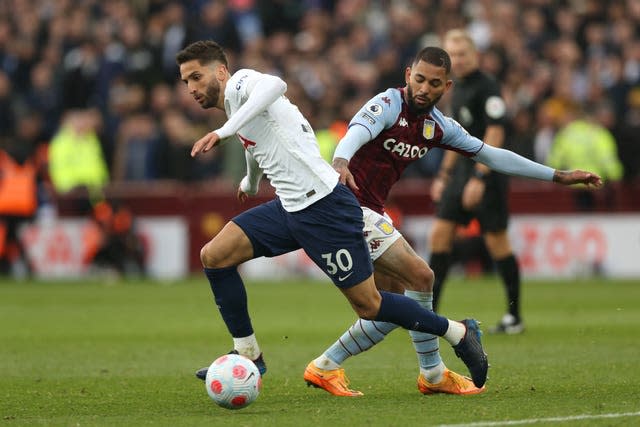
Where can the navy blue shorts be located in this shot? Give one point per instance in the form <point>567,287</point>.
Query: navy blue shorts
<point>329,231</point>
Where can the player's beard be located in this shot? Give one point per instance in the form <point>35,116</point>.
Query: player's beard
<point>420,109</point>
<point>212,94</point>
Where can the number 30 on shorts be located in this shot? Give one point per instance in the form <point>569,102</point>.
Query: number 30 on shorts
<point>340,261</point>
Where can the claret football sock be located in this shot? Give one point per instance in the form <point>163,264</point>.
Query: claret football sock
<point>426,345</point>
<point>231,298</point>
<point>361,336</point>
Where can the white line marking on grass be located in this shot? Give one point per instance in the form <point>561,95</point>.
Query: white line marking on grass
<point>543,420</point>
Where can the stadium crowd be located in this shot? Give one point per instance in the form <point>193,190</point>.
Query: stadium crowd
<point>102,74</point>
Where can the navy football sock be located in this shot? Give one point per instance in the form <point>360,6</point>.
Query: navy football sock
<point>407,313</point>
<point>231,298</point>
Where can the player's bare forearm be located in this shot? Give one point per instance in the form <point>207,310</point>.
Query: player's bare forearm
<point>577,177</point>
<point>342,167</point>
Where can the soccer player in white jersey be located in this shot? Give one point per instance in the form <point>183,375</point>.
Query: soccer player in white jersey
<point>312,209</point>
<point>392,130</point>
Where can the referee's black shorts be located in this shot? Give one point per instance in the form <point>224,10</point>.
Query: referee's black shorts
<point>492,212</point>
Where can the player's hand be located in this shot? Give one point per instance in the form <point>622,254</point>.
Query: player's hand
<point>342,167</point>
<point>577,176</point>
<point>241,195</point>
<point>205,143</point>
<point>472,193</point>
<point>437,188</point>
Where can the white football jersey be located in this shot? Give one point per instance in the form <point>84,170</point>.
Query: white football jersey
<point>283,144</point>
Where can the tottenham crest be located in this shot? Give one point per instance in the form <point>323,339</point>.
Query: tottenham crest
<point>429,129</point>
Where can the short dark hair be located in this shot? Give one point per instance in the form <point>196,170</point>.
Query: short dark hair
<point>205,51</point>
<point>434,56</point>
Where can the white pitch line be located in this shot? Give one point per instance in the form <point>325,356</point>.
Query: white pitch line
<point>543,420</point>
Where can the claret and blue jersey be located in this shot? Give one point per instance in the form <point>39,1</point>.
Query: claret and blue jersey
<point>398,138</point>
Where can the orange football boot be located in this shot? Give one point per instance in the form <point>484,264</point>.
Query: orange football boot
<point>334,381</point>
<point>451,383</point>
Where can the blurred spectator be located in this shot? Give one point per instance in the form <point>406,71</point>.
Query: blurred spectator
<point>217,23</point>
<point>584,143</point>
<point>177,162</point>
<point>76,160</point>
<point>21,173</point>
<point>136,153</point>
<point>117,246</point>
<point>627,132</point>
<point>6,105</point>
<point>43,96</point>
<point>118,57</point>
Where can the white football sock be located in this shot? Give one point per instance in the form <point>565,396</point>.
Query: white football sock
<point>247,346</point>
<point>455,332</point>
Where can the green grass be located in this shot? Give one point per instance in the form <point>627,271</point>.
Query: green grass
<point>123,354</point>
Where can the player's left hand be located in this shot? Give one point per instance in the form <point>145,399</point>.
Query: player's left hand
<point>472,193</point>
<point>577,176</point>
<point>241,195</point>
<point>205,143</point>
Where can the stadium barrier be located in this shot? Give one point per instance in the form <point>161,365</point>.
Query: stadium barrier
<point>175,219</point>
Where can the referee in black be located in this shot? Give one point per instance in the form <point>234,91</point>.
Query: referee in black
<point>464,189</point>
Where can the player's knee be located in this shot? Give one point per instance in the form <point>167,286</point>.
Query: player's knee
<point>441,238</point>
<point>422,278</point>
<point>368,309</point>
<point>207,257</point>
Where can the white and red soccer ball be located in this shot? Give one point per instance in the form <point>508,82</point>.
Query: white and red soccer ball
<point>233,381</point>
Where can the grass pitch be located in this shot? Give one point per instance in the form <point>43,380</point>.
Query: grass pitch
<point>123,354</point>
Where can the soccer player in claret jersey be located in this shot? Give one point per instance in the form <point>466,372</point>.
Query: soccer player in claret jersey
<point>393,129</point>
<point>312,210</point>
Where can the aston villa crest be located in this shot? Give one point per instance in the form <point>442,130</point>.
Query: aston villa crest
<point>429,129</point>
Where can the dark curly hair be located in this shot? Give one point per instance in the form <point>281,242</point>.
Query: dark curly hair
<point>434,56</point>
<point>205,51</point>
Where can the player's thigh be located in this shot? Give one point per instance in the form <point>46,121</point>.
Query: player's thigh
<point>379,232</point>
<point>385,282</point>
<point>404,267</point>
<point>330,231</point>
<point>229,247</point>
<point>498,244</point>
<point>266,227</point>
<point>442,234</point>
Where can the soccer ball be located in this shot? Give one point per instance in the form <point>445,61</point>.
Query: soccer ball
<point>233,381</point>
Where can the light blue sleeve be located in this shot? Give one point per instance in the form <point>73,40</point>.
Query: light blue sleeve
<point>378,114</point>
<point>498,159</point>
<point>510,163</point>
<point>455,137</point>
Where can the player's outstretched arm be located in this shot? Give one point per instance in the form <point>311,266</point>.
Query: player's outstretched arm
<point>577,177</point>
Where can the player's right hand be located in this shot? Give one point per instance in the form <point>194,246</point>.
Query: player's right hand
<point>437,187</point>
<point>342,167</point>
<point>205,144</point>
